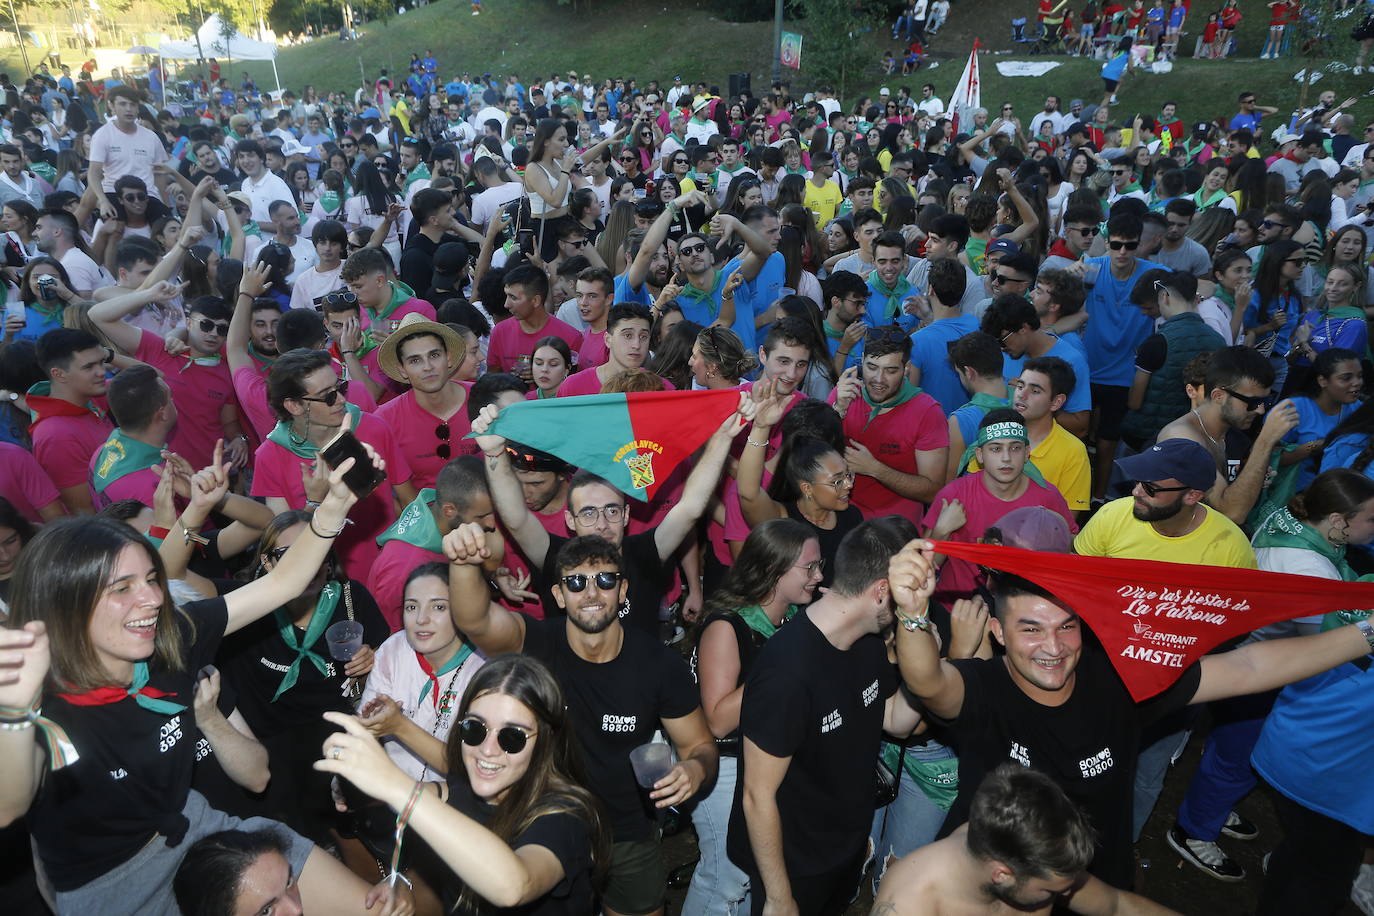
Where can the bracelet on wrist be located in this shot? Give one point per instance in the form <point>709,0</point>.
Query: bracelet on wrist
<point>750,441</point>
<point>912,624</point>
<point>346,352</point>
<point>330,535</point>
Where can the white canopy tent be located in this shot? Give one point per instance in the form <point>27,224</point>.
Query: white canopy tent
<point>210,41</point>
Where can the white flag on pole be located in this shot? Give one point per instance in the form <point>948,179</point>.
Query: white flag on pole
<point>968,94</point>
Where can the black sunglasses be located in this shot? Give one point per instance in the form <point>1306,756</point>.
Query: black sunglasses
<point>1252,402</point>
<point>577,582</point>
<point>219,327</point>
<point>1086,231</point>
<point>442,433</point>
<point>1152,489</point>
<point>134,198</point>
<point>331,397</point>
<point>511,738</point>
<point>1117,245</point>
<point>690,250</point>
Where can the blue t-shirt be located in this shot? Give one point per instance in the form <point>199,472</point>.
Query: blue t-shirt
<point>1113,68</point>
<point>759,293</point>
<point>1071,352</point>
<point>625,293</point>
<point>879,311</point>
<point>1291,305</point>
<point>1343,452</point>
<point>705,311</point>
<point>1327,332</point>
<point>970,417</point>
<point>1246,120</point>
<point>1313,424</point>
<point>36,324</point>
<point>1115,327</point>
<point>456,88</point>
<point>856,353</point>
<point>930,354</point>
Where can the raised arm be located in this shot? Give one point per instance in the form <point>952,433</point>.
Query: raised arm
<point>490,627</point>
<point>251,285</point>
<point>934,681</point>
<point>701,483</point>
<point>506,493</point>
<point>754,501</point>
<point>654,236</point>
<point>1273,663</point>
<point>108,315</point>
<point>1030,220</point>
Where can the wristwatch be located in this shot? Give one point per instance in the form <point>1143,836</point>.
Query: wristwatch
<point>1367,631</point>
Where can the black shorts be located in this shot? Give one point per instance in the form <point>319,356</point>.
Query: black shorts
<point>1110,403</point>
<point>1109,85</point>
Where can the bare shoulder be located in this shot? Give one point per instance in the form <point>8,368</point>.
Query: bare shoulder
<point>907,886</point>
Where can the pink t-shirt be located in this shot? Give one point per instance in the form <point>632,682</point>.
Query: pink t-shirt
<point>508,341</point>
<point>958,578</point>
<point>387,579</point>
<point>139,485</point>
<point>593,351</point>
<point>894,438</point>
<point>413,304</point>
<point>24,482</point>
<point>414,430</point>
<point>584,382</point>
<point>64,446</point>
<point>277,472</point>
<point>250,387</point>
<point>199,393</point>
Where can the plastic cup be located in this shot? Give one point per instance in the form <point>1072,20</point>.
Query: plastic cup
<point>651,762</point>
<point>1090,272</point>
<point>345,639</point>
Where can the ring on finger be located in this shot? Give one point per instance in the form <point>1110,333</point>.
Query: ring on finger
<point>336,753</point>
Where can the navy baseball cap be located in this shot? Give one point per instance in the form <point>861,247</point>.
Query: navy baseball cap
<point>1005,246</point>
<point>1180,459</point>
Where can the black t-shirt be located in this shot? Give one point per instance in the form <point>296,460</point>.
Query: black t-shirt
<point>823,708</point>
<point>846,521</point>
<point>224,177</point>
<point>647,573</point>
<point>564,834</point>
<point>615,707</point>
<point>1088,745</point>
<point>255,659</point>
<point>210,779</point>
<point>748,642</point>
<point>134,771</point>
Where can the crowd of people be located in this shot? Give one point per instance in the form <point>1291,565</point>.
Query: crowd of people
<point>239,675</point>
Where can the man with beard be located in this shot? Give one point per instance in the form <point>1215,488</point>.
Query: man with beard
<point>1237,387</point>
<point>646,251</point>
<point>1026,847</point>
<point>897,436</point>
<point>621,686</point>
<point>627,342</point>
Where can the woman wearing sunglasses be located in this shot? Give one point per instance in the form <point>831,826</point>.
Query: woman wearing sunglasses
<point>513,823</point>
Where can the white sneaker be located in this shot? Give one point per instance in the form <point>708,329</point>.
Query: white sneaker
<point>1362,892</point>
<point>1359,70</point>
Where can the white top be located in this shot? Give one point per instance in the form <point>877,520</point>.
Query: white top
<point>396,673</point>
<point>304,253</point>
<point>931,106</point>
<point>538,205</point>
<point>357,215</point>
<point>263,192</point>
<point>485,204</point>
<point>84,273</point>
<point>1217,316</point>
<point>1298,562</point>
<point>313,284</point>
<point>127,154</point>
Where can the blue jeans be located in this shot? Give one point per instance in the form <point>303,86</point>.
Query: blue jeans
<point>1153,765</point>
<point>719,887</point>
<point>912,820</point>
<point>1224,775</point>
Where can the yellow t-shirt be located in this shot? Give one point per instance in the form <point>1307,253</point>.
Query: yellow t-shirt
<point>823,202</point>
<point>1115,532</point>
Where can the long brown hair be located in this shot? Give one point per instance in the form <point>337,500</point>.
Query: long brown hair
<point>554,783</point>
<point>61,576</point>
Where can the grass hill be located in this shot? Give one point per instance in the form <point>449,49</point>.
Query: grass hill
<point>648,39</point>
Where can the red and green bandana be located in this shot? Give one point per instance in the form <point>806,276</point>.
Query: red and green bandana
<point>633,440</point>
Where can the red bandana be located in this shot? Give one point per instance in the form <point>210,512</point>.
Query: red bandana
<point>1156,619</point>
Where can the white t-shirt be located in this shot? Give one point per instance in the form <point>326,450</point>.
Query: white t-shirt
<point>304,253</point>
<point>263,192</point>
<point>931,106</point>
<point>84,273</point>
<point>357,215</point>
<point>485,204</point>
<point>396,673</point>
<point>313,284</point>
<point>127,154</point>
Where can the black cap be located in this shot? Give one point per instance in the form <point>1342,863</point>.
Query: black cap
<point>450,259</point>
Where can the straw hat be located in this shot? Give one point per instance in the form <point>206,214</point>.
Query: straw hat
<point>388,354</point>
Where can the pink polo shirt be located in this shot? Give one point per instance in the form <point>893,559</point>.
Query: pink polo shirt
<point>387,579</point>
<point>24,482</point>
<point>414,430</point>
<point>64,446</point>
<point>277,472</point>
<point>509,340</point>
<point>894,438</point>
<point>593,351</point>
<point>199,393</point>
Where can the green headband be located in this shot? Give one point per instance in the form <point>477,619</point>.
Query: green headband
<point>1006,430</point>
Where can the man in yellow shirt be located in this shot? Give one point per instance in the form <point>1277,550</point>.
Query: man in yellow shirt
<point>823,195</point>
<point>1042,388</point>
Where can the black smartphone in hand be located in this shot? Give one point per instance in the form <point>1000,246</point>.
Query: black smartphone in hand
<point>363,477</point>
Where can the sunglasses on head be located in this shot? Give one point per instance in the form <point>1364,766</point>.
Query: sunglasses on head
<point>1152,489</point>
<point>577,582</point>
<point>346,296</point>
<point>511,738</point>
<point>219,327</point>
<point>330,397</point>
<point>1117,245</point>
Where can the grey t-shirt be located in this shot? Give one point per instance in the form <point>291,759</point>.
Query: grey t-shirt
<point>1190,256</point>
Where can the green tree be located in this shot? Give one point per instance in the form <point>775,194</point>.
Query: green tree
<point>1322,41</point>
<point>834,51</point>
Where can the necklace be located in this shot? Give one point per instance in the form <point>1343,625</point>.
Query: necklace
<point>1203,426</point>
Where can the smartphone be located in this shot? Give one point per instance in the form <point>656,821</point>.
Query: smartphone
<point>640,193</point>
<point>363,477</point>
<point>525,238</point>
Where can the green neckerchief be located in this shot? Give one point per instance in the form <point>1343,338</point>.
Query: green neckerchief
<point>1133,186</point>
<point>330,202</point>
<point>1192,152</point>
<point>319,622</point>
<point>153,704</point>
<point>1227,299</point>
<point>121,456</point>
<point>831,332</point>
<point>400,294</point>
<point>695,296</point>
<point>213,359</point>
<point>894,295</point>
<point>985,401</point>
<point>1344,312</point>
<point>1282,529</point>
<point>1006,430</point>
<point>43,171</point>
<point>283,436</point>
<point>416,525</point>
<point>250,229</point>
<point>539,394</point>
<point>758,621</point>
<point>420,171</point>
<point>49,312</point>
<point>1197,199</point>
<point>907,392</point>
<point>452,664</point>
<point>938,780</point>
<point>260,358</point>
